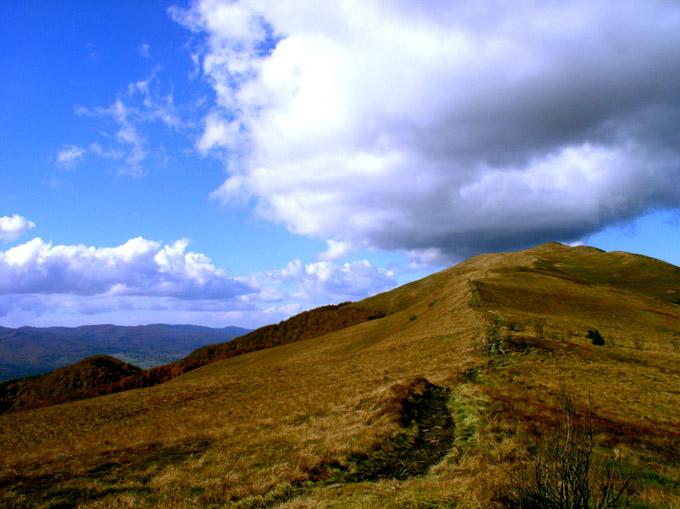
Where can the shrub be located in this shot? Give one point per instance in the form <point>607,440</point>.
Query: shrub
<point>596,337</point>
<point>565,475</point>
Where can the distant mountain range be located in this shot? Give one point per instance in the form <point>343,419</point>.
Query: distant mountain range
<point>33,350</point>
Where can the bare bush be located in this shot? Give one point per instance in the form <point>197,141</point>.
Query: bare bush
<point>565,472</point>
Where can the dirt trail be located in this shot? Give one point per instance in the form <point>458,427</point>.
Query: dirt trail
<point>426,437</point>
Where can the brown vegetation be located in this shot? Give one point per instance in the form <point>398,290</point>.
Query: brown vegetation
<point>79,381</point>
<point>84,379</point>
<point>312,423</point>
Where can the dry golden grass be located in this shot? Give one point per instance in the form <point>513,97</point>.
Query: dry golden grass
<point>277,428</point>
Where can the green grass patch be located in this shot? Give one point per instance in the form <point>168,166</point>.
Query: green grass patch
<point>468,407</point>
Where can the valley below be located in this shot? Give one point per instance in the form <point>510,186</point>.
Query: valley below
<point>28,351</point>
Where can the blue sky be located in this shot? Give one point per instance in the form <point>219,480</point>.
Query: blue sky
<point>238,162</point>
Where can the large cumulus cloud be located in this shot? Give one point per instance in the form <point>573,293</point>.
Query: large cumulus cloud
<point>444,129</point>
<point>324,281</point>
<point>138,267</point>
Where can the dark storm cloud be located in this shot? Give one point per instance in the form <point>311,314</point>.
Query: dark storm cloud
<point>445,129</point>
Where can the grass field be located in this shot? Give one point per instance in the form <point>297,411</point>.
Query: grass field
<point>443,402</point>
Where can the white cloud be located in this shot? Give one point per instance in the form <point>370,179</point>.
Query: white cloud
<point>129,143</point>
<point>17,310</point>
<point>445,127</point>
<point>142,278</point>
<point>98,150</point>
<point>142,104</point>
<point>422,259</point>
<point>69,155</point>
<point>336,249</point>
<point>217,133</point>
<point>324,281</point>
<point>139,267</point>
<point>144,50</point>
<point>14,227</point>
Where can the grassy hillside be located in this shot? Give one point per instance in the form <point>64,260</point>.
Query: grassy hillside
<point>309,324</point>
<point>55,388</point>
<point>452,399</point>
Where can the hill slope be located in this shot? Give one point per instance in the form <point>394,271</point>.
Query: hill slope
<point>446,401</point>
<point>33,392</point>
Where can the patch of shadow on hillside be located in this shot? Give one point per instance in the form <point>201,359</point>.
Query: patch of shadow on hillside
<point>426,436</point>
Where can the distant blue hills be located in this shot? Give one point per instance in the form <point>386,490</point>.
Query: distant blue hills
<point>34,350</point>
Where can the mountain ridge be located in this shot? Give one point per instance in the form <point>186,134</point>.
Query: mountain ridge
<point>484,352</point>
<point>27,351</point>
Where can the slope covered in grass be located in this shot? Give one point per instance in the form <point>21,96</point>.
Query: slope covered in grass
<point>325,422</point>
<point>55,388</point>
